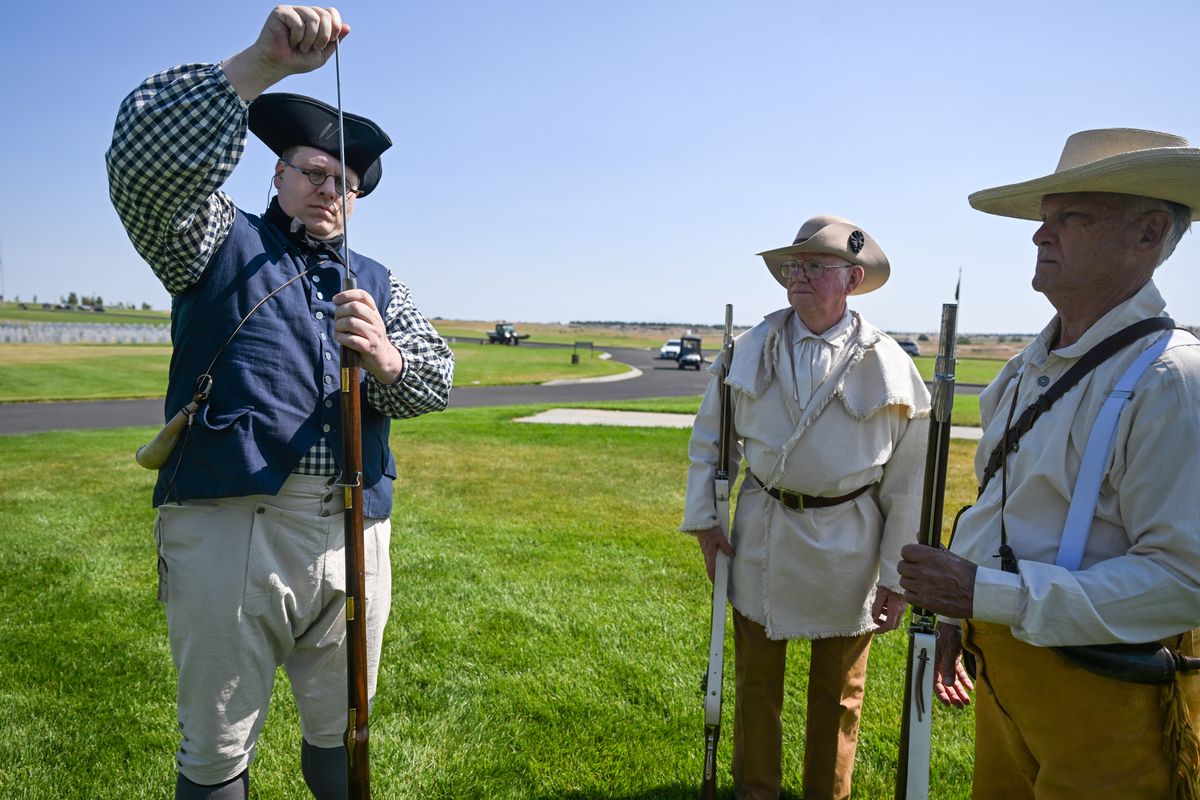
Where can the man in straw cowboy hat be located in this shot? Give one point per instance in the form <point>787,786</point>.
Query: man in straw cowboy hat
<point>250,526</point>
<point>1087,530</point>
<point>831,417</point>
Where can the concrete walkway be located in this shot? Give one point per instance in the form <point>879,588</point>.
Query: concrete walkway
<point>646,419</point>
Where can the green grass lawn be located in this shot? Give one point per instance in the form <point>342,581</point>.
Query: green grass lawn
<point>547,639</point>
<point>967,370</point>
<point>12,312</point>
<point>41,372</point>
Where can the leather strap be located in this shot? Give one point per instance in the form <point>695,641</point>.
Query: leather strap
<point>800,502</point>
<point>1088,362</point>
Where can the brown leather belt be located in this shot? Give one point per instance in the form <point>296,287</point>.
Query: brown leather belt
<point>799,502</point>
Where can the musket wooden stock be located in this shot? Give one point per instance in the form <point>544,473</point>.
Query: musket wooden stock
<point>357,731</point>
<point>912,776</point>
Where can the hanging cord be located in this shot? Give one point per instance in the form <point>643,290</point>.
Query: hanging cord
<point>1008,560</point>
<point>204,383</point>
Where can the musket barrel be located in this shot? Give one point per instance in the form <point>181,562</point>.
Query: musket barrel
<point>714,677</point>
<point>912,774</point>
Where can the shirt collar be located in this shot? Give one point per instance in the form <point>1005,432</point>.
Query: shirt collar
<point>835,336</point>
<point>1148,302</point>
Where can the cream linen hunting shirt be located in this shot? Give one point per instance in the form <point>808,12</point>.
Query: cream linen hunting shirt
<point>1140,576</point>
<point>852,413</point>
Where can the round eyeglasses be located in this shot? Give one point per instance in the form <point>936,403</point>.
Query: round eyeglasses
<point>318,176</point>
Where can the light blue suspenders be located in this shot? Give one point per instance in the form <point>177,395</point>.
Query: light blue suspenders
<point>1099,445</point>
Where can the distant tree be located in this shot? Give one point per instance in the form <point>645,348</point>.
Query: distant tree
<point>72,299</point>
<point>963,340</point>
<point>923,338</point>
<point>145,306</point>
<point>99,300</point>
<point>35,298</point>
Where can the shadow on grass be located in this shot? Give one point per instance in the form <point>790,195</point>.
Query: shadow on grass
<point>675,791</point>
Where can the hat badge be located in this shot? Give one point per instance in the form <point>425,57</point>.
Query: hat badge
<point>856,242</point>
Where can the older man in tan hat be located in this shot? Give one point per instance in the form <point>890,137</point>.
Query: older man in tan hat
<point>1086,532</point>
<point>831,417</point>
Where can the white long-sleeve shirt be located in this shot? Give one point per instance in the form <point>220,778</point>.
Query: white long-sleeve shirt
<point>1140,575</point>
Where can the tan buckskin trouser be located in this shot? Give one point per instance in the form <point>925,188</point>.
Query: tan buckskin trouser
<point>252,583</point>
<point>837,677</point>
<point>1051,730</point>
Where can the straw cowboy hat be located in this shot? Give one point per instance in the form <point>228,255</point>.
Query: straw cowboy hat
<point>839,237</point>
<point>1118,160</point>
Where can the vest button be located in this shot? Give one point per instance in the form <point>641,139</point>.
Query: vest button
<point>1044,381</point>
<point>329,380</point>
<point>320,315</point>
<point>325,428</point>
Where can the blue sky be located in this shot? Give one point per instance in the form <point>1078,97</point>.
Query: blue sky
<point>625,160</point>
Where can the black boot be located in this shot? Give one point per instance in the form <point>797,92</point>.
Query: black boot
<point>324,770</point>
<point>233,789</point>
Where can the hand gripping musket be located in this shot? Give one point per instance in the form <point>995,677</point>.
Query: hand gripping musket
<point>912,779</point>
<point>716,642</point>
<point>358,765</point>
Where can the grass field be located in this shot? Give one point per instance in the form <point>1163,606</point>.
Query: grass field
<point>12,312</point>
<point>41,372</point>
<point>547,636</point>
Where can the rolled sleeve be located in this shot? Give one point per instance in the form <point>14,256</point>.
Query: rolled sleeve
<point>177,138</point>
<point>428,372</point>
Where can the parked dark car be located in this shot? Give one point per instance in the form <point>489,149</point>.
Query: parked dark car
<point>909,346</point>
<point>690,354</point>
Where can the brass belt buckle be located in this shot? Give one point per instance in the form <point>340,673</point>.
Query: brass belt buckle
<point>792,501</point>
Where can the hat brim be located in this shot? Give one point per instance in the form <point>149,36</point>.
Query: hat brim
<point>1168,173</point>
<point>283,121</point>
<point>876,269</point>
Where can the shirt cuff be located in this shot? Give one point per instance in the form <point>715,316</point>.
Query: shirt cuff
<point>998,596</point>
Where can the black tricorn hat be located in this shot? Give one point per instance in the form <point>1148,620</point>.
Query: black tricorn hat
<point>285,120</point>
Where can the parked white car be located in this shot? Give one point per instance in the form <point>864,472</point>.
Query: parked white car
<point>670,349</point>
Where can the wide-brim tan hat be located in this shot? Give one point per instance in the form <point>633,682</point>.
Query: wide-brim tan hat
<point>839,237</point>
<point>1117,160</point>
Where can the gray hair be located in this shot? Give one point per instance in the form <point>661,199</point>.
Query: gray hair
<point>1181,221</point>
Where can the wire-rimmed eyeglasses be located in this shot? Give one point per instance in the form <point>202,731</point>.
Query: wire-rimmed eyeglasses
<point>318,176</point>
<point>810,271</point>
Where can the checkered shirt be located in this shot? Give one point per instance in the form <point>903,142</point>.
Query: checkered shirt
<point>177,138</point>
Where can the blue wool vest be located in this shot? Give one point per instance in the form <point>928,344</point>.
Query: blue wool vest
<point>277,387</point>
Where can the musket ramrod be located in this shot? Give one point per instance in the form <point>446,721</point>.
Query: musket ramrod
<point>358,764</point>
<point>912,779</point>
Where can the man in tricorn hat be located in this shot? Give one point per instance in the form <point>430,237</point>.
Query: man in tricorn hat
<point>249,523</point>
<point>1086,531</point>
<point>831,417</point>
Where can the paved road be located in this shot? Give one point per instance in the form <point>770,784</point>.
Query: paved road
<point>659,378</point>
